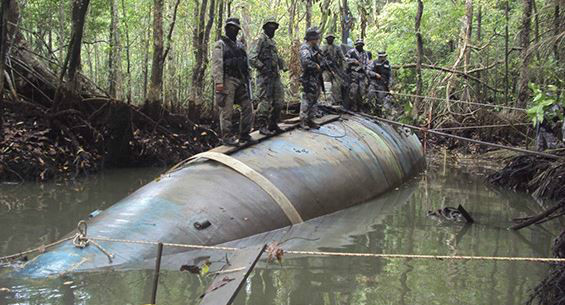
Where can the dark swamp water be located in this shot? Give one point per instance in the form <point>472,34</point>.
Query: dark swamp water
<point>33,214</point>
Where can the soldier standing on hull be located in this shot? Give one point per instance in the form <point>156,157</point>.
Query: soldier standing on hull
<point>336,60</point>
<point>230,71</point>
<point>311,77</point>
<point>379,73</point>
<point>357,60</point>
<point>265,58</point>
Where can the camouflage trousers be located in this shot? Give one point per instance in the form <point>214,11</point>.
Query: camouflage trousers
<point>545,139</point>
<point>336,97</point>
<point>309,100</point>
<point>356,94</point>
<point>235,92</point>
<point>270,94</point>
<point>376,97</point>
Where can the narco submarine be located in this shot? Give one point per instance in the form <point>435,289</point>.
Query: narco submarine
<point>227,194</point>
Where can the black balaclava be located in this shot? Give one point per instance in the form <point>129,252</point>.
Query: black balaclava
<point>269,30</point>
<point>232,31</point>
<point>330,40</point>
<point>359,47</point>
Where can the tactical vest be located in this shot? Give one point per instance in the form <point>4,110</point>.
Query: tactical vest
<point>235,59</point>
<point>383,69</point>
<point>362,57</point>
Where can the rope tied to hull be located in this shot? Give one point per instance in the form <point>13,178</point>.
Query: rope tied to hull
<point>81,241</point>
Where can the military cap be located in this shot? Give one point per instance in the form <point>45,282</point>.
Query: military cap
<point>312,33</point>
<point>359,41</point>
<point>382,54</point>
<point>233,21</point>
<point>272,20</point>
<point>330,34</point>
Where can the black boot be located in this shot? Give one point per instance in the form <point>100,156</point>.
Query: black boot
<point>262,126</point>
<point>313,124</point>
<point>246,140</point>
<point>230,141</point>
<point>275,116</point>
<point>304,124</point>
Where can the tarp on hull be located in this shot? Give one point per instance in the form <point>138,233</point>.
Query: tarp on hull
<point>342,164</point>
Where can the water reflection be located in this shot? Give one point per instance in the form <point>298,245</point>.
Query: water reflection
<point>395,223</point>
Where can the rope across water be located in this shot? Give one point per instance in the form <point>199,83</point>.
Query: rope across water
<point>311,253</point>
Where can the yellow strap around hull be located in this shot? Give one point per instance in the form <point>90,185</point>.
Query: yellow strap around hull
<point>240,167</point>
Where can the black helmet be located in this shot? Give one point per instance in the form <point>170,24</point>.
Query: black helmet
<point>233,21</point>
<point>270,20</point>
<point>312,34</point>
<point>359,42</point>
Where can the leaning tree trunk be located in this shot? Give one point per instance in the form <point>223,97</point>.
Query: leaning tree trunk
<point>523,91</point>
<point>114,60</point>
<point>156,83</point>
<point>71,66</point>
<point>419,56</point>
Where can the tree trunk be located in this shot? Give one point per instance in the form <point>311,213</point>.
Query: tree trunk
<point>556,30</point>
<point>3,53</point>
<point>146,60</point>
<point>200,47</point>
<point>308,13</point>
<point>220,21</point>
<point>128,56</point>
<point>536,29</point>
<point>506,51</point>
<point>467,43</point>
<point>479,40</point>
<point>156,84</point>
<point>346,21</point>
<point>419,56</point>
<point>326,15</point>
<point>80,7</point>
<point>364,16</point>
<point>115,59</point>
<point>72,63</point>
<point>523,91</point>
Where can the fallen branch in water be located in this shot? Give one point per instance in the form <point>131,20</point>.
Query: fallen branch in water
<point>540,217</point>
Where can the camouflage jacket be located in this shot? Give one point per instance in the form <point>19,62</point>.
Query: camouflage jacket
<point>334,54</point>
<point>353,56</point>
<point>265,58</point>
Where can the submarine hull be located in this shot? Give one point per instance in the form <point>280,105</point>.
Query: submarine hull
<point>344,163</point>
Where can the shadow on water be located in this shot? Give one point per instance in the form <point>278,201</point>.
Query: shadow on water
<point>395,223</point>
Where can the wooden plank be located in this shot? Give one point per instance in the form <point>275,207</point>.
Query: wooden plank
<point>287,125</point>
<point>229,281</point>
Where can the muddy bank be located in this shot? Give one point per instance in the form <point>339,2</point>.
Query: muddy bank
<point>90,136</point>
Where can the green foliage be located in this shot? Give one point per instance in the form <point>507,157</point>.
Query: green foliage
<point>542,102</point>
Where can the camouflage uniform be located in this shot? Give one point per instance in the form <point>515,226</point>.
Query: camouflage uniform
<point>311,78</point>
<point>230,68</point>
<point>334,55</point>
<point>356,68</point>
<point>265,58</point>
<point>379,73</point>
<point>545,137</point>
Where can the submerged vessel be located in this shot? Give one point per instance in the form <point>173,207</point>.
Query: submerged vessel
<point>229,194</point>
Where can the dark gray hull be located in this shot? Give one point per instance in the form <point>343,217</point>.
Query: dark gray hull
<point>344,163</point>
